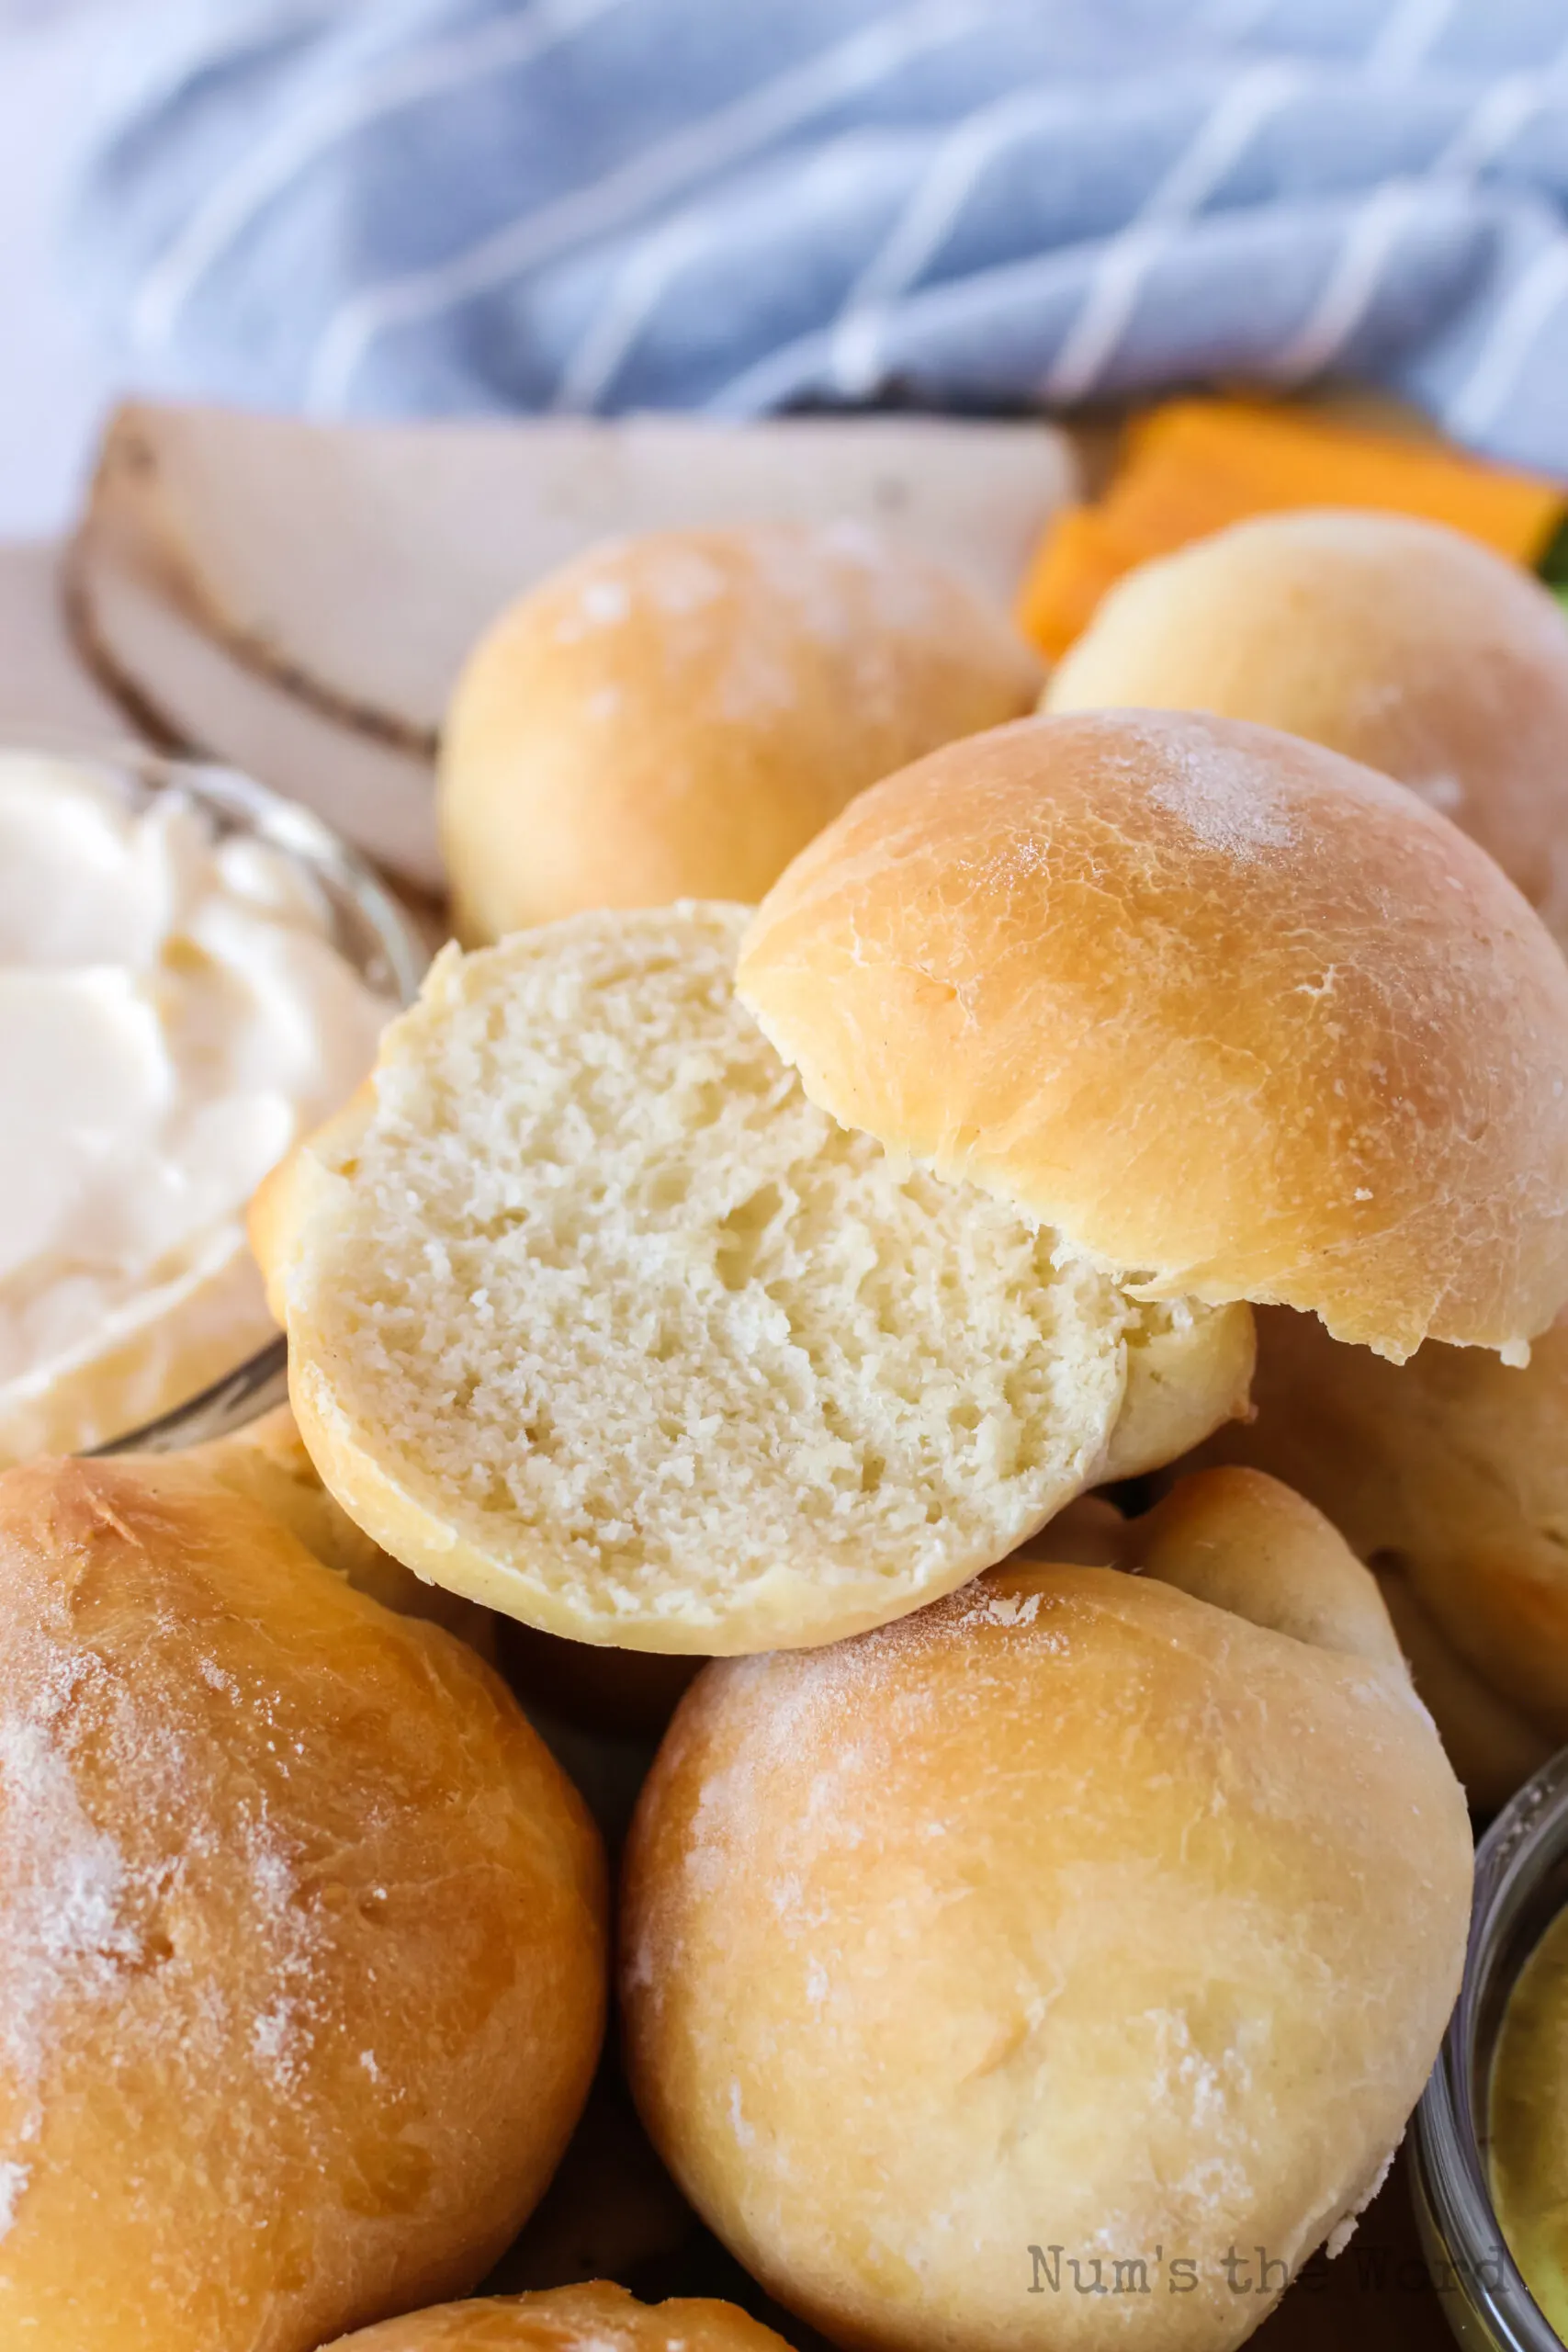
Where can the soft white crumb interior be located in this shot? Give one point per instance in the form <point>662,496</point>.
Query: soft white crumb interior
<point>633,1316</point>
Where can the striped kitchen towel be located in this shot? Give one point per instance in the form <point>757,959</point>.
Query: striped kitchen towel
<point>391,206</point>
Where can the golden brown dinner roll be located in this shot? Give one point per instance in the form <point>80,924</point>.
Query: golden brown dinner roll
<point>267,1460</point>
<point>1398,642</point>
<point>1242,1540</point>
<point>1233,1015</point>
<point>1450,1476</point>
<point>673,717</point>
<point>597,2318</point>
<point>990,1978</point>
<point>595,1317</point>
<point>301,1933</point>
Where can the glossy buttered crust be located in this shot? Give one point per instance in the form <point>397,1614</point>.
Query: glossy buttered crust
<point>268,1460</point>
<point>594,2318</point>
<point>301,1932</point>
<point>1392,639</point>
<point>1119,1914</point>
<point>1449,1474</point>
<point>1227,1009</point>
<point>674,715</point>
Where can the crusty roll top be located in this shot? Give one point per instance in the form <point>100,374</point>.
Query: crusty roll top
<point>1392,639</point>
<point>1232,1013</point>
<point>1239,1539</point>
<point>674,715</point>
<point>301,1932</point>
<point>1115,1913</point>
<point>593,2318</point>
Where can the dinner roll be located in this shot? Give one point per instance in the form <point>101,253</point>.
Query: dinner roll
<point>301,1932</point>
<point>597,2318</point>
<point>673,717</point>
<point>990,1978</point>
<point>593,1316</point>
<point>1399,642</point>
<point>1450,1476</point>
<point>266,1461</point>
<point>1236,1017</point>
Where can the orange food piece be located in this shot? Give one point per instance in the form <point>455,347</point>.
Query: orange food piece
<point>1322,462</point>
<point>1074,565</point>
<point>1193,466</point>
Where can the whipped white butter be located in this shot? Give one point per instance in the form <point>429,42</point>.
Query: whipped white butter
<point>173,1015</point>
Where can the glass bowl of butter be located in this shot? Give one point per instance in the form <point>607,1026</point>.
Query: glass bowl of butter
<point>1491,2171</point>
<point>193,974</point>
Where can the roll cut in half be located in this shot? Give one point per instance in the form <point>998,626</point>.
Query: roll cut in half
<point>596,2318</point>
<point>1449,1475</point>
<point>602,1314</point>
<point>301,1932</point>
<point>672,716</point>
<point>1238,1018</point>
<point>593,1316</point>
<point>991,1978</point>
<point>1396,641</point>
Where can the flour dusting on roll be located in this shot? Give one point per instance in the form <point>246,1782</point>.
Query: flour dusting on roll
<point>301,1932</point>
<point>1083,1927</point>
<point>672,716</point>
<point>1238,1018</point>
<point>1396,641</point>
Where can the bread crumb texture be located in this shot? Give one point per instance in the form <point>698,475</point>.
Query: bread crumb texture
<point>679,1362</point>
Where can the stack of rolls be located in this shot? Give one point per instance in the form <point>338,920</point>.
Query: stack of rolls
<point>1423,655</point>
<point>1027,1906</point>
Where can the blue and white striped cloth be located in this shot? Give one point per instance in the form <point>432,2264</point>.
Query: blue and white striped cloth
<point>394,207</point>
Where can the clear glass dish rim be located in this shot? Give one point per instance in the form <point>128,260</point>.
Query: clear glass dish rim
<point>1451,2182</point>
<point>240,803</point>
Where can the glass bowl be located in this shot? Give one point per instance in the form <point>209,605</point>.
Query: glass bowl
<point>1521,1882</point>
<point>374,934</point>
